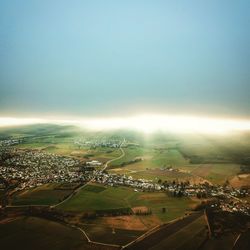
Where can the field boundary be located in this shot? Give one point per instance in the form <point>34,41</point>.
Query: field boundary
<point>153,230</point>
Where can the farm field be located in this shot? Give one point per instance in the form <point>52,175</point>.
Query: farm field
<point>150,158</point>
<point>88,199</point>
<point>35,233</point>
<point>121,229</point>
<point>189,237</point>
<point>156,175</point>
<point>214,173</point>
<point>93,197</point>
<point>157,238</point>
<point>47,194</point>
<point>240,180</point>
<point>109,235</point>
<point>215,159</point>
<point>101,154</point>
<point>67,148</point>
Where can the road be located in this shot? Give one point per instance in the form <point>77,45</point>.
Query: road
<point>118,158</point>
<point>104,168</point>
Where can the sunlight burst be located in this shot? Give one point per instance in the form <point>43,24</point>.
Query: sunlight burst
<point>146,123</point>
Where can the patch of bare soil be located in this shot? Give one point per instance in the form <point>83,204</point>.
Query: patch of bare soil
<point>141,209</point>
<point>124,222</point>
<point>240,180</point>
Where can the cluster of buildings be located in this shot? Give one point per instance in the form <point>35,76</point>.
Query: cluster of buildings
<point>34,168</point>
<point>93,163</point>
<point>36,159</point>
<point>104,142</point>
<point>10,142</point>
<point>228,196</point>
<point>233,206</point>
<point>184,188</point>
<point>31,168</point>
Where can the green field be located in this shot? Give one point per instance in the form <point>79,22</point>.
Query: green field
<point>123,197</point>
<point>155,174</point>
<point>150,158</point>
<point>175,207</point>
<point>90,200</point>
<point>215,173</point>
<point>131,153</point>
<point>47,194</point>
<point>35,233</point>
<point>102,154</point>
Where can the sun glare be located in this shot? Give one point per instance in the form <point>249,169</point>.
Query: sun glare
<point>178,124</point>
<point>146,123</point>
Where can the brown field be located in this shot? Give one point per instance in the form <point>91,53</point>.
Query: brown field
<point>124,222</point>
<point>240,180</point>
<point>202,170</point>
<point>159,237</point>
<point>141,209</point>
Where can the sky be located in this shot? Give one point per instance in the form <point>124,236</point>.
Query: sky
<point>114,58</point>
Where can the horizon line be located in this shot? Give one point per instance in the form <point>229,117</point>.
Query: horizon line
<point>147,123</point>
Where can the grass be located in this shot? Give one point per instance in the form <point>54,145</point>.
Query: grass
<point>87,200</point>
<point>56,146</point>
<point>35,233</point>
<point>130,154</point>
<point>102,154</point>
<point>157,174</point>
<point>168,157</point>
<point>44,195</point>
<point>123,197</point>
<point>94,188</point>
<point>151,158</point>
<point>175,207</point>
<point>216,173</point>
<point>65,146</point>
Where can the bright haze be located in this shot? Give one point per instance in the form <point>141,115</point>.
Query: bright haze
<point>116,59</point>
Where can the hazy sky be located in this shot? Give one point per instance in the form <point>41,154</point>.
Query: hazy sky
<point>120,57</point>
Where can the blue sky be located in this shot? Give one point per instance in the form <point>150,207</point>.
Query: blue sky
<point>119,57</point>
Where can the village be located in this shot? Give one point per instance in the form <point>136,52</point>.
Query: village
<point>32,168</point>
<point>10,142</point>
<point>97,142</point>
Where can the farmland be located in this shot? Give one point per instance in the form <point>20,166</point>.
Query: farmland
<point>189,237</point>
<point>96,199</point>
<point>214,159</point>
<point>88,199</point>
<point>47,194</point>
<point>149,185</point>
<point>43,234</point>
<point>150,158</point>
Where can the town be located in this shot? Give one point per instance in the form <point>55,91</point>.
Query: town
<point>32,168</point>
<point>97,142</point>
